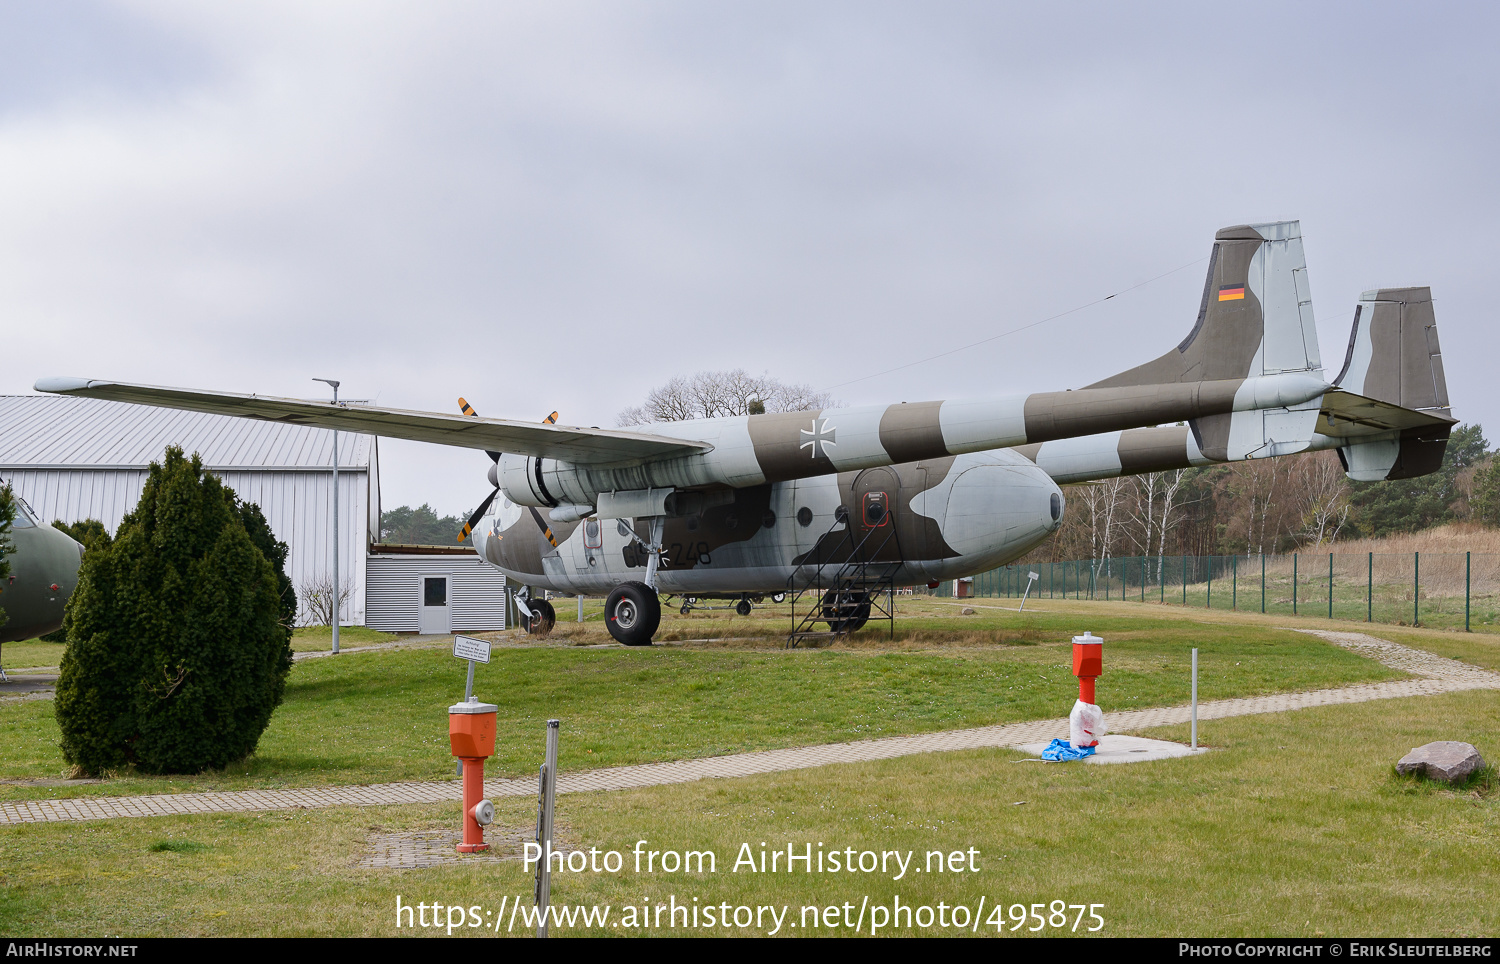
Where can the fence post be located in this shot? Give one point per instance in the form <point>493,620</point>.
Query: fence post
<point>1467,560</point>
<point>1416,588</point>
<point>1370,589</point>
<point>1184,579</point>
<point>1161,577</point>
<point>1294,584</point>
<point>1234,581</point>
<point>1262,583</point>
<point>1330,585</point>
<point>1143,578</point>
<point>1208,601</point>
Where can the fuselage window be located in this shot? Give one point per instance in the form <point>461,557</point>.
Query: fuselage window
<point>804,517</point>
<point>874,509</point>
<point>1056,507</point>
<point>591,535</point>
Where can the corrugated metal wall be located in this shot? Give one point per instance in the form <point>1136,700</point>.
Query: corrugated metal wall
<point>476,591</point>
<point>84,458</point>
<point>298,505</point>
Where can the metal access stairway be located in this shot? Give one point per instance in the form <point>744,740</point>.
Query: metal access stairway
<point>858,590</point>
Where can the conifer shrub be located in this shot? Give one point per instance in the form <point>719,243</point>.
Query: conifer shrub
<point>179,639</point>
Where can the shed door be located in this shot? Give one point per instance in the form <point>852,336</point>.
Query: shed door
<point>434,612</point>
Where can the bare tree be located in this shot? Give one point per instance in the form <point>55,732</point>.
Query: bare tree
<point>1325,497</point>
<point>719,394</point>
<point>315,597</point>
<point>1171,483</point>
<point>1103,500</point>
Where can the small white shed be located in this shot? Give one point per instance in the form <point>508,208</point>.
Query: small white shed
<point>432,589</point>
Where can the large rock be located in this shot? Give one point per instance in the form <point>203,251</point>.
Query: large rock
<point>1446,760</point>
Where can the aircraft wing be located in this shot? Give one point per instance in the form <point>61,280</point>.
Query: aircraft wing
<point>588,446</point>
<point>1347,415</point>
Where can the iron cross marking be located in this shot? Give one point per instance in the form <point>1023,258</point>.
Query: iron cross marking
<point>820,438</point>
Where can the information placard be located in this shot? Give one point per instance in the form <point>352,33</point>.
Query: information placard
<point>466,647</point>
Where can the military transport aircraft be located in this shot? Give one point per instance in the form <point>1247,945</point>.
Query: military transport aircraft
<point>913,493</point>
<point>43,571</point>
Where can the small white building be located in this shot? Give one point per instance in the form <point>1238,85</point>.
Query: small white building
<point>83,458</point>
<point>432,589</point>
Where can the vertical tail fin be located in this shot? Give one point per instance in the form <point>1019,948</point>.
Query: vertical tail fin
<point>1393,353</point>
<point>1256,316</point>
<point>1256,319</point>
<point>1393,358</point>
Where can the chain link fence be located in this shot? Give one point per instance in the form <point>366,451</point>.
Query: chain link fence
<point>1453,590</point>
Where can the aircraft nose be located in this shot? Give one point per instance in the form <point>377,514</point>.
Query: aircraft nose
<point>1000,507</point>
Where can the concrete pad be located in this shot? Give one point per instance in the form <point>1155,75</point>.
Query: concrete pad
<point>1126,749</point>
<point>19,685</point>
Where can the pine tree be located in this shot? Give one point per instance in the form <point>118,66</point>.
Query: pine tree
<point>178,650</point>
<point>7,516</point>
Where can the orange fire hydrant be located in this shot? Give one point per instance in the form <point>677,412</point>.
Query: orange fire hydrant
<point>471,733</point>
<point>1086,722</point>
<point>1088,663</point>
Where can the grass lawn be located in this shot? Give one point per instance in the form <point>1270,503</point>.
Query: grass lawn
<point>1294,826</point>
<point>31,654</point>
<point>380,716</point>
<point>320,638</point>
<point>36,653</point>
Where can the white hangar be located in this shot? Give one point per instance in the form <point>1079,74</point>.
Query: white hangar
<point>81,458</point>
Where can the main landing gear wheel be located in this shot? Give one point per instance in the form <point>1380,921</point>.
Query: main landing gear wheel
<point>543,617</point>
<point>633,612</point>
<point>845,611</point>
<point>743,608</point>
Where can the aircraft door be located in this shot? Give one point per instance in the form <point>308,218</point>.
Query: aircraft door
<point>874,513</point>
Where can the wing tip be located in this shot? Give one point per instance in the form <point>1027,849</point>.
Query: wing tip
<point>62,384</point>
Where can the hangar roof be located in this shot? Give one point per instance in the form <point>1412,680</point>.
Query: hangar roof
<point>58,431</point>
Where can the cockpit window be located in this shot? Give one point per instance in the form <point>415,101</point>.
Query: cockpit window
<point>25,518</point>
<point>1057,507</point>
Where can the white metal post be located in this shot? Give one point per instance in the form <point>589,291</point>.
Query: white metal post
<point>580,609</point>
<point>1195,699</point>
<point>544,827</point>
<point>338,601</point>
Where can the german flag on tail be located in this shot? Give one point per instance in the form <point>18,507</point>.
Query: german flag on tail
<point>1231,292</point>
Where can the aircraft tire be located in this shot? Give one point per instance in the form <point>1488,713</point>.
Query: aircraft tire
<point>743,608</point>
<point>845,612</point>
<point>543,618</point>
<point>633,613</point>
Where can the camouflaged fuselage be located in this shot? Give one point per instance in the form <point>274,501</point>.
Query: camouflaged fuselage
<point>944,517</point>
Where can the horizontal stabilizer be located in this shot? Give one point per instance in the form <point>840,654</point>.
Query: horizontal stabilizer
<point>1346,415</point>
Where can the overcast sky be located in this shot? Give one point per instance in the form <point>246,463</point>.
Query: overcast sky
<point>559,205</point>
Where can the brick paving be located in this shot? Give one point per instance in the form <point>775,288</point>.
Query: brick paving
<point>1437,675</point>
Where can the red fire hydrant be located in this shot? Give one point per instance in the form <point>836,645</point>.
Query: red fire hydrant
<point>471,733</point>
<point>1087,720</point>
<point>1088,663</point>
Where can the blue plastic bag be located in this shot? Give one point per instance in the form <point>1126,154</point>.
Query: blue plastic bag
<point>1059,751</point>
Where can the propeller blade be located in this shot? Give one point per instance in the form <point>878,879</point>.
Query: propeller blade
<point>546,529</point>
<point>478,514</point>
<point>467,409</point>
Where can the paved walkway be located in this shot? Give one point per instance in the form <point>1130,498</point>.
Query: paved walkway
<point>1439,675</point>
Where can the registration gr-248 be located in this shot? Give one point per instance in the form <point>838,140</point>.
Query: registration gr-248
<point>1058,915</point>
